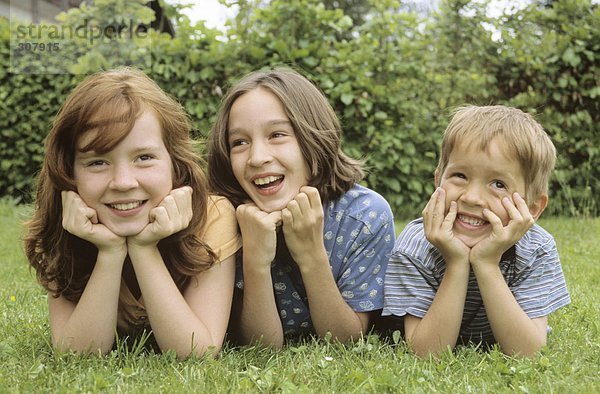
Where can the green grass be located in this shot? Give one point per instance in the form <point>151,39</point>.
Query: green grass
<point>568,364</point>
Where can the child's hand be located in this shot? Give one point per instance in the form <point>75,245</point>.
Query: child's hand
<point>82,221</point>
<point>490,249</point>
<point>259,234</point>
<point>438,228</point>
<point>303,225</point>
<point>172,215</point>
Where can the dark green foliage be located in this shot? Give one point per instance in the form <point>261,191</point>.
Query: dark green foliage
<point>393,78</point>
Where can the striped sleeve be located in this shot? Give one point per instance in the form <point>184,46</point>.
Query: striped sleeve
<point>410,284</point>
<point>542,289</point>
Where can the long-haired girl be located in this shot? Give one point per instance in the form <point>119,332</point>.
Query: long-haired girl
<point>125,236</point>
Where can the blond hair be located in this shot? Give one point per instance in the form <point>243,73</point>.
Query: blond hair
<point>523,137</point>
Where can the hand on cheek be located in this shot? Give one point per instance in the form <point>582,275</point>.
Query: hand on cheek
<point>438,227</point>
<point>303,225</point>
<point>502,237</point>
<point>172,215</point>
<point>259,234</point>
<point>82,221</point>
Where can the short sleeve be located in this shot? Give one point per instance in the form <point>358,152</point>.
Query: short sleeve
<point>542,289</point>
<point>362,245</point>
<point>412,276</point>
<point>221,232</point>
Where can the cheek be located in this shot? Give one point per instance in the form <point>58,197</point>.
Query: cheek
<point>236,167</point>
<point>164,179</point>
<point>89,191</point>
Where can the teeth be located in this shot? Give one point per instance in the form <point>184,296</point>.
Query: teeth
<point>471,220</point>
<point>266,180</point>
<point>127,206</point>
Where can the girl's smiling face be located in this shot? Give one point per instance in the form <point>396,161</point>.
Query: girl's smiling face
<point>265,155</point>
<point>478,179</point>
<point>125,183</point>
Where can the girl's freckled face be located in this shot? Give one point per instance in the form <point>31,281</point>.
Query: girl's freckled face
<point>124,184</point>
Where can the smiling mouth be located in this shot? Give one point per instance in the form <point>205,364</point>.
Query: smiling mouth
<point>471,220</point>
<point>268,181</point>
<point>127,206</point>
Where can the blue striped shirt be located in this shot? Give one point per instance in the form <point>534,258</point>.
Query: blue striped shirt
<point>531,269</point>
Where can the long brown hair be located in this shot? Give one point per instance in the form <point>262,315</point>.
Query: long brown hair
<point>316,127</point>
<point>110,102</point>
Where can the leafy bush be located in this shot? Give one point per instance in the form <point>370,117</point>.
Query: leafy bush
<point>392,79</point>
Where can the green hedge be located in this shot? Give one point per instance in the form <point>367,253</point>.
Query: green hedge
<point>393,80</point>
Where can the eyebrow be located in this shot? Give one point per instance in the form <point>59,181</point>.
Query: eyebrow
<point>274,122</point>
<point>147,148</point>
<point>494,173</point>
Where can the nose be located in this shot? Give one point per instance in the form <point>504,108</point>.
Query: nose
<point>123,178</point>
<point>473,195</point>
<point>260,154</point>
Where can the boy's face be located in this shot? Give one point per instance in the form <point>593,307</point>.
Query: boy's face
<point>478,179</point>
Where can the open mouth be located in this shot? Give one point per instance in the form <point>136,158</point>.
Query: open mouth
<point>268,181</point>
<point>127,206</point>
<point>472,220</point>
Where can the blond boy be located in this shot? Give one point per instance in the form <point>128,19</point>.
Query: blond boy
<point>476,268</point>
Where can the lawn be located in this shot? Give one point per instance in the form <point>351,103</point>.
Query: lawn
<point>569,363</point>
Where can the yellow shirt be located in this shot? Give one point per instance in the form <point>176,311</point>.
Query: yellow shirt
<point>220,233</point>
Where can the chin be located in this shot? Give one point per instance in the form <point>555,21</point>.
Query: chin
<point>272,206</point>
<point>470,241</point>
<point>269,208</point>
<point>126,231</point>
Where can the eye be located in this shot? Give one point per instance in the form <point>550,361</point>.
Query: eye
<point>95,163</point>
<point>459,175</point>
<point>145,157</point>
<point>237,142</point>
<point>499,185</point>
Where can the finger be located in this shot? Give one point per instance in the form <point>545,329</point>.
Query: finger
<point>428,210</point>
<point>314,198</point>
<point>437,216</point>
<point>430,203</point>
<point>493,219</point>
<point>92,215</point>
<point>521,205</point>
<point>170,206</point>
<point>183,197</point>
<point>287,218</point>
<point>303,202</point>
<point>294,208</point>
<point>448,222</point>
<point>276,217</point>
<point>159,218</point>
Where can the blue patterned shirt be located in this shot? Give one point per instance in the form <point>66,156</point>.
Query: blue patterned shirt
<point>358,236</point>
<point>531,269</point>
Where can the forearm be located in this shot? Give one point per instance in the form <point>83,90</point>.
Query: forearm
<point>516,333</point>
<point>174,324</point>
<point>329,312</point>
<point>89,326</point>
<point>440,327</point>
<point>260,319</point>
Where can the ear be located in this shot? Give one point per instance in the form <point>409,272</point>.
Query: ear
<point>538,205</point>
